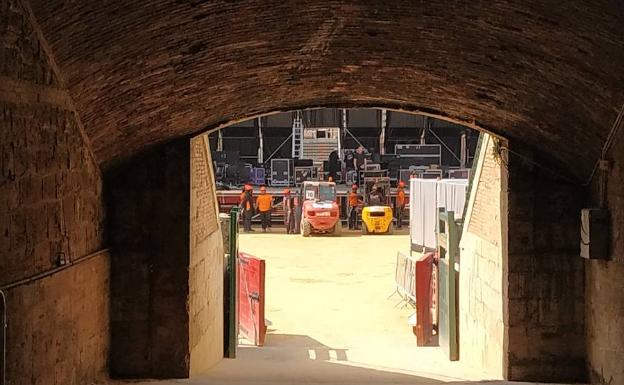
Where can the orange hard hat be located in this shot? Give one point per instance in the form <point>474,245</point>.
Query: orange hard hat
<point>248,187</point>
<point>286,191</point>
<point>354,186</point>
<point>401,184</point>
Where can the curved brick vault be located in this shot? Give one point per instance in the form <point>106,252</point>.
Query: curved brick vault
<point>548,73</point>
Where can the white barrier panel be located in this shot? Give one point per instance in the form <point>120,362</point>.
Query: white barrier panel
<point>452,195</point>
<point>423,212</point>
<point>405,277</point>
<point>426,196</point>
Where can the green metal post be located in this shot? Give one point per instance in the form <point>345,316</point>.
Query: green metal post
<point>233,285</point>
<point>448,251</point>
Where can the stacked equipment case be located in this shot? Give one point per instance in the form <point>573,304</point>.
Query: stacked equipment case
<point>282,172</point>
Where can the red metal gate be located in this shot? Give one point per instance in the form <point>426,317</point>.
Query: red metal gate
<point>251,298</point>
<point>425,300</point>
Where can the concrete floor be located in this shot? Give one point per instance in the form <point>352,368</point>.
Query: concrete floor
<point>331,320</point>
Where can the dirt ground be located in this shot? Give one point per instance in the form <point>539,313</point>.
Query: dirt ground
<point>333,319</point>
<point>333,316</point>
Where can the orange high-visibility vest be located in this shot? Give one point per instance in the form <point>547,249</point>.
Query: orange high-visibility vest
<point>264,202</point>
<point>353,199</point>
<point>400,199</point>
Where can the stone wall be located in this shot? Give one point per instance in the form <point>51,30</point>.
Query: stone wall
<point>50,187</point>
<point>481,320</point>
<point>167,263</point>
<point>50,208</point>
<point>521,281</point>
<point>59,327</point>
<point>605,282</point>
<point>147,200</point>
<point>545,288</point>
<point>206,264</point>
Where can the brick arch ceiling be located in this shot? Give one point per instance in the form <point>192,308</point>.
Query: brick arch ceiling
<point>546,72</point>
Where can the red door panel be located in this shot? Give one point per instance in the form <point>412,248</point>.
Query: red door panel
<point>251,298</point>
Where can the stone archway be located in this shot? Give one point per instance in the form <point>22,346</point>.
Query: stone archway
<point>175,68</point>
<point>129,82</point>
<point>151,237</point>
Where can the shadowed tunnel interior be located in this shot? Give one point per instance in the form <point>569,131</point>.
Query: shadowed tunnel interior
<point>100,100</point>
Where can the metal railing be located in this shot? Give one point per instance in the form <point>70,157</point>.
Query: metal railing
<point>38,276</point>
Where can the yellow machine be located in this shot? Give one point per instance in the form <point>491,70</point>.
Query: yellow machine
<point>377,213</point>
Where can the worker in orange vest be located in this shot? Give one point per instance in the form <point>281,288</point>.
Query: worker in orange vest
<point>247,207</point>
<point>264,205</point>
<point>354,203</point>
<point>295,223</point>
<point>242,194</point>
<point>400,204</point>
<point>287,207</point>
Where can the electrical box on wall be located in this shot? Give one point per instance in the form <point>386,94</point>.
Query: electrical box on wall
<point>595,233</point>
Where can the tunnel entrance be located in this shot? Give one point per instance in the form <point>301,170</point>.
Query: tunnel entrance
<point>332,301</point>
<point>167,258</point>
